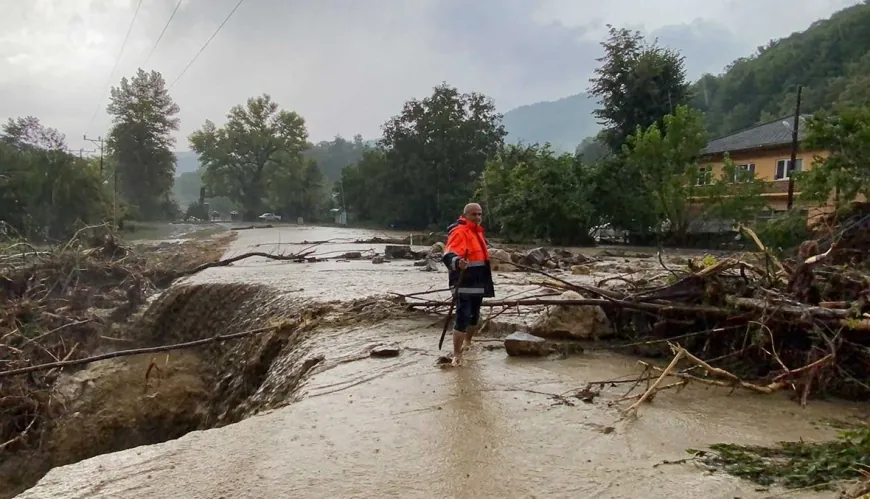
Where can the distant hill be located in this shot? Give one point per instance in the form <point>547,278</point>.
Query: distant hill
<point>187,161</point>
<point>564,123</point>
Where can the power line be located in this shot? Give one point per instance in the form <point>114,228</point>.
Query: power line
<point>206,44</point>
<point>162,33</point>
<point>115,66</point>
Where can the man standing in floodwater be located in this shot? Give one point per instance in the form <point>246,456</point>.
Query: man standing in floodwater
<point>467,258</point>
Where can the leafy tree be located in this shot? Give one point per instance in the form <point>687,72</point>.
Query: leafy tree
<point>540,195</point>
<point>846,172</point>
<point>45,192</point>
<point>258,151</point>
<point>669,171</point>
<point>140,142</point>
<point>431,156</point>
<point>637,84</point>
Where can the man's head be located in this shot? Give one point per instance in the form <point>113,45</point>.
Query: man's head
<point>473,212</point>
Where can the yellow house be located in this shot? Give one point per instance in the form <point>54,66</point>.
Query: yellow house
<point>765,150</point>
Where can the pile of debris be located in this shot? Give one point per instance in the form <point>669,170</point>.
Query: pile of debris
<point>66,303</point>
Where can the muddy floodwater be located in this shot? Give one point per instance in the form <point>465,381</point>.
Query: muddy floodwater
<point>401,427</point>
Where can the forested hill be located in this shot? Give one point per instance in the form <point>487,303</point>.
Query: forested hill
<point>831,59</point>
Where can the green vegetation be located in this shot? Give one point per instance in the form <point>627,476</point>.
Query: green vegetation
<point>795,464</point>
<point>45,192</point>
<point>831,60</point>
<point>256,159</point>
<point>425,167</point>
<point>140,145</point>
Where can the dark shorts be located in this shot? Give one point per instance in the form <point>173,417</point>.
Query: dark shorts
<point>467,312</point>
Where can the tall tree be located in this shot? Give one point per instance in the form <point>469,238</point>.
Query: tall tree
<point>637,84</point>
<point>257,152</point>
<point>437,148</point>
<point>140,142</point>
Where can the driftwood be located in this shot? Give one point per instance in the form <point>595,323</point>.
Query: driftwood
<point>135,351</point>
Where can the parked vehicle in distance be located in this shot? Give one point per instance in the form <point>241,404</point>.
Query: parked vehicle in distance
<point>270,217</point>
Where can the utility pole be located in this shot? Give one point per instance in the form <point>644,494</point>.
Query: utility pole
<point>343,208</point>
<point>794,148</point>
<point>99,142</point>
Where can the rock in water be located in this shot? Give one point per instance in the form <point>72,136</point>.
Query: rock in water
<point>572,321</point>
<point>385,351</point>
<point>536,257</point>
<point>520,344</point>
<point>394,252</point>
<point>378,259</point>
<point>501,260</point>
<point>431,266</point>
<point>580,270</point>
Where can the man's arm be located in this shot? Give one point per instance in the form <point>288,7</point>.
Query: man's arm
<point>452,251</point>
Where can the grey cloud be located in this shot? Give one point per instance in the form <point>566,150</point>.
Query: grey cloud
<point>346,65</point>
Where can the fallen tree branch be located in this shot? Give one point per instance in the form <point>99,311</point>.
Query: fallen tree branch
<point>632,409</point>
<point>223,263</point>
<point>135,351</point>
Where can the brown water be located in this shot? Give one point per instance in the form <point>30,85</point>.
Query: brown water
<point>403,428</point>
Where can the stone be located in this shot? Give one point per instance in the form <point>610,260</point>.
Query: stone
<point>521,344</point>
<point>396,252</point>
<point>437,249</point>
<point>383,351</point>
<point>580,270</point>
<point>579,322</point>
<point>378,259</point>
<point>536,257</point>
<point>500,260</point>
<point>563,253</point>
<point>352,255</point>
<point>431,266</point>
<point>420,263</point>
<point>551,264</point>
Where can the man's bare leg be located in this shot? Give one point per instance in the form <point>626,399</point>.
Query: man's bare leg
<point>472,330</point>
<point>458,340</point>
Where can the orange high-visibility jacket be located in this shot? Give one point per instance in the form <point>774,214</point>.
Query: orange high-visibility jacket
<point>465,240</point>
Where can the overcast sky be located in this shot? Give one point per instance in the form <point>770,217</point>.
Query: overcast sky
<point>348,65</point>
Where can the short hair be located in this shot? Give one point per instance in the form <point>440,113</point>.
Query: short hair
<point>469,206</point>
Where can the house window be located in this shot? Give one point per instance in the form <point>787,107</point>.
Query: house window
<point>781,168</point>
<point>739,176</point>
<point>705,175</point>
